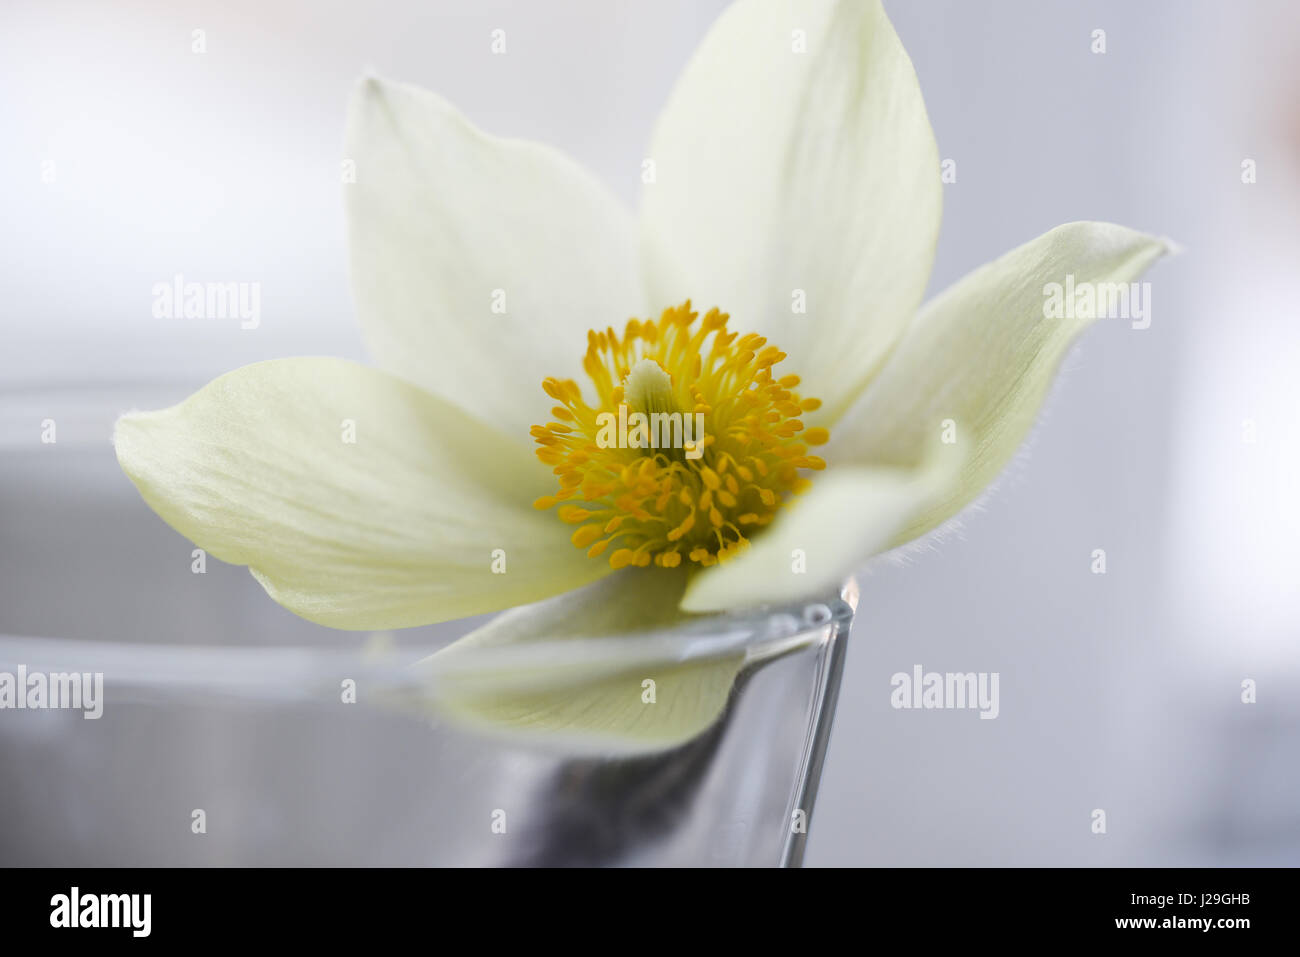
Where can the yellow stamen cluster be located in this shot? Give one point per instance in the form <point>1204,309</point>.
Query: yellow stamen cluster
<point>667,504</point>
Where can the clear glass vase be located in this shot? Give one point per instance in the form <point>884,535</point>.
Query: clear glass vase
<point>223,740</point>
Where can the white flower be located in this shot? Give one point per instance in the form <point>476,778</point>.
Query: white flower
<point>796,186</point>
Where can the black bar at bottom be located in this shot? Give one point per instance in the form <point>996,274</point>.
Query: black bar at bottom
<point>332,905</point>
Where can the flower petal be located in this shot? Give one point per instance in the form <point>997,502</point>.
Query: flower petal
<point>849,515</point>
<point>570,671</point>
<point>394,529</point>
<point>783,171</point>
<point>982,355</point>
<point>478,264</point>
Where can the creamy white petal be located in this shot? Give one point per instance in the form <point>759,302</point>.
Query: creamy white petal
<point>847,516</point>
<point>399,527</point>
<point>784,172</point>
<point>982,355</point>
<point>571,671</point>
<point>478,263</point>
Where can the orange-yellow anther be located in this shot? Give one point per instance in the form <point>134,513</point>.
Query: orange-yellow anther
<point>686,497</point>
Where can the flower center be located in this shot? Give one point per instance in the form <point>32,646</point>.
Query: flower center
<point>690,447</point>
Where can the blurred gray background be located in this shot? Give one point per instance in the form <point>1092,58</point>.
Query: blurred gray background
<point>1118,691</point>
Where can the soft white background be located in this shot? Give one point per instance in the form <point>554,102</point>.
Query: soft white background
<point>1118,691</point>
